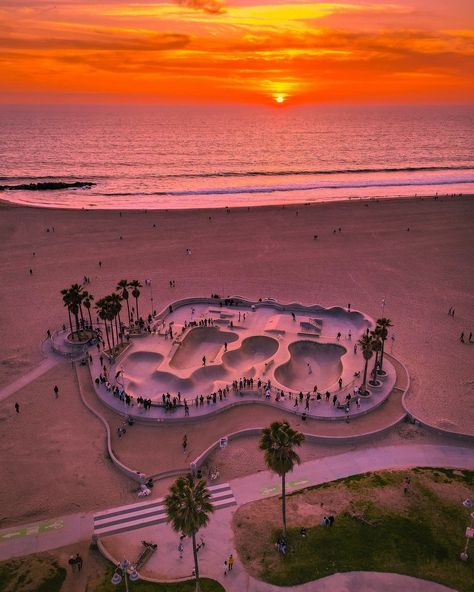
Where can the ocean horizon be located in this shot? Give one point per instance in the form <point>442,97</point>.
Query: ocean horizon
<point>172,157</point>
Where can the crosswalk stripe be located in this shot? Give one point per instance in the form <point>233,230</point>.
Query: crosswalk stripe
<point>139,515</point>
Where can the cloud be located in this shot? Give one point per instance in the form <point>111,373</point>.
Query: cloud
<point>209,6</point>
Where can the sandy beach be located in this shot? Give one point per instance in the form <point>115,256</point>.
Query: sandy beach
<point>264,252</point>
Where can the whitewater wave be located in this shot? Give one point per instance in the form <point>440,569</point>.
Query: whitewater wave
<point>288,188</point>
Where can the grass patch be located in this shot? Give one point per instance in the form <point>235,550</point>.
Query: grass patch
<point>377,528</point>
<point>37,573</point>
<point>207,585</point>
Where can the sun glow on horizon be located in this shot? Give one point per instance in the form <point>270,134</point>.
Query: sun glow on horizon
<point>253,50</point>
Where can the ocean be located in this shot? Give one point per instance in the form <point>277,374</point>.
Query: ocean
<point>166,157</point>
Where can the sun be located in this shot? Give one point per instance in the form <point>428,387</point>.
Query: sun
<point>280,99</point>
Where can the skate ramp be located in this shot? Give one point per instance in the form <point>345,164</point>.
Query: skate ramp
<point>253,350</point>
<point>324,360</point>
<point>141,363</point>
<point>199,342</point>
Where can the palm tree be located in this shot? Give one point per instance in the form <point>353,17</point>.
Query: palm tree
<point>376,347</point>
<point>188,506</point>
<point>365,343</point>
<point>135,284</point>
<point>278,442</point>
<point>67,302</point>
<point>384,325</point>
<point>87,305</point>
<point>116,306</point>
<point>122,290</point>
<point>103,307</point>
<point>72,298</point>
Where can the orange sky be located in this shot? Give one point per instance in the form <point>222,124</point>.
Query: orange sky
<point>249,51</point>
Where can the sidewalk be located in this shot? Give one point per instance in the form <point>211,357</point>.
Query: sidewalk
<point>43,367</point>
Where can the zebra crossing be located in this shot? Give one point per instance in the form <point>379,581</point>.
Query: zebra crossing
<point>143,514</point>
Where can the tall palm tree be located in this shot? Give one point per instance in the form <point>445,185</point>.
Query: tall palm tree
<point>72,298</point>
<point>121,288</point>
<point>365,343</point>
<point>188,507</point>
<point>135,284</point>
<point>103,307</point>
<point>278,442</point>
<point>87,305</point>
<point>376,347</point>
<point>67,302</point>
<point>116,306</point>
<point>384,325</point>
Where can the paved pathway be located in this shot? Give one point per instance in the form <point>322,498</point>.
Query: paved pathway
<point>48,363</point>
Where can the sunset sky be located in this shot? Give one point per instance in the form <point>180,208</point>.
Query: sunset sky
<point>244,51</point>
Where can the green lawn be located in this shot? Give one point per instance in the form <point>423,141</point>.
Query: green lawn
<point>377,528</point>
<point>32,574</point>
<point>106,585</point>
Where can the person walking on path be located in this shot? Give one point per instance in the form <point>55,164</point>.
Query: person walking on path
<point>203,360</point>
<point>340,383</point>
<point>56,390</point>
<point>180,549</point>
<point>17,407</point>
<point>406,485</point>
<point>185,443</point>
<point>79,562</point>
<point>230,562</point>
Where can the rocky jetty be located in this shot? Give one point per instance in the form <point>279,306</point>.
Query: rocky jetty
<point>47,186</point>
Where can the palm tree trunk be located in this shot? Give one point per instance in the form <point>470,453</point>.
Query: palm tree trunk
<point>82,316</point>
<point>128,310</point>
<point>107,333</point>
<point>116,328</point>
<point>90,319</point>
<point>374,371</point>
<point>196,564</point>
<point>381,355</point>
<point>70,319</point>
<point>138,315</point>
<point>76,317</point>
<point>365,374</point>
<point>283,502</point>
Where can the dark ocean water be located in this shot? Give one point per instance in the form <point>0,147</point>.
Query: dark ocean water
<point>182,157</point>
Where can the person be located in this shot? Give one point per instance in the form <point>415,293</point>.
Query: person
<point>331,520</point>
<point>48,333</point>
<point>293,316</point>
<point>17,407</point>
<point>203,360</point>
<point>56,390</point>
<point>340,383</point>
<point>72,563</point>
<point>180,549</point>
<point>338,336</point>
<point>470,337</point>
<point>230,562</point>
<point>79,562</point>
<point>461,339</point>
<point>185,442</point>
<point>303,532</point>
<point>406,485</point>
<point>355,348</point>
<point>225,345</point>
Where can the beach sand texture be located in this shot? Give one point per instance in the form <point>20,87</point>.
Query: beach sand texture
<point>268,252</point>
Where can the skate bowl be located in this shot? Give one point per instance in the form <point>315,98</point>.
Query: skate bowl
<point>311,363</point>
<point>254,349</point>
<point>141,363</point>
<point>200,342</point>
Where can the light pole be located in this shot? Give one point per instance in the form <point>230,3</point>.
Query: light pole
<point>123,567</point>
<point>383,305</point>
<point>469,530</point>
